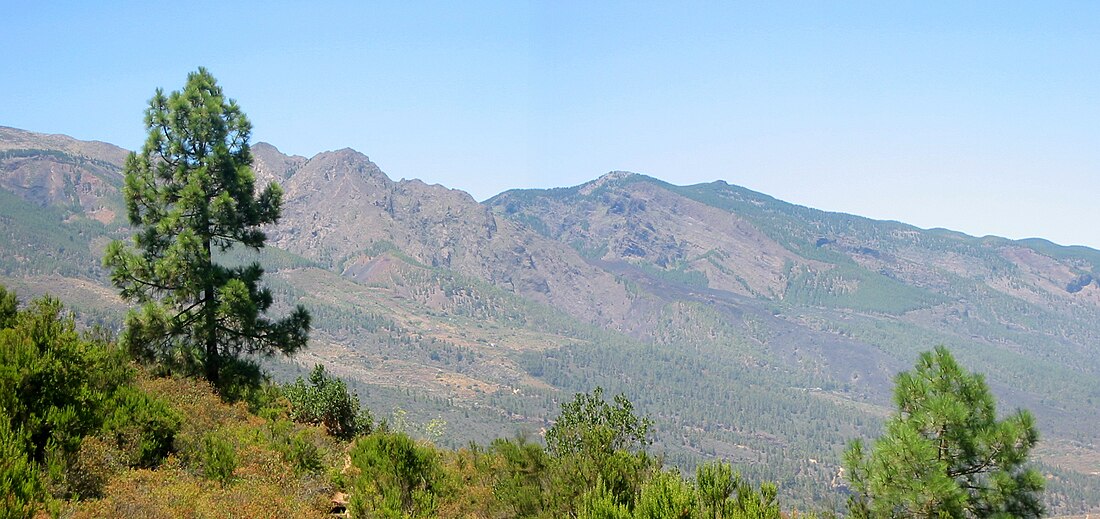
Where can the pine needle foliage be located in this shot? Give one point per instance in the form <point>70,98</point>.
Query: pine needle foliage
<point>944,453</point>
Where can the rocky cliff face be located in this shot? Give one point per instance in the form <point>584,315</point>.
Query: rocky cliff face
<point>610,251</point>
<point>733,240</point>
<point>341,209</point>
<point>737,251</point>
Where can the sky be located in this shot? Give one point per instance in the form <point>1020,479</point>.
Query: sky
<point>982,117</point>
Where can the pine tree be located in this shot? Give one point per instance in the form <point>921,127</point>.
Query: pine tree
<point>944,453</point>
<point>590,426</point>
<point>190,194</point>
<point>595,442</point>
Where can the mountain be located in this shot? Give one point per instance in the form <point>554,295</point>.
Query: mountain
<point>340,208</point>
<point>749,328</point>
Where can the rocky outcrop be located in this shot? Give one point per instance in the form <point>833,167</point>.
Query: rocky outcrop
<point>340,206</point>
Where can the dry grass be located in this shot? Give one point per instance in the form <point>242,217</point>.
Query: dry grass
<point>265,483</point>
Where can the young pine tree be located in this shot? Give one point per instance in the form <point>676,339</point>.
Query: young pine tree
<point>189,194</point>
<point>944,453</point>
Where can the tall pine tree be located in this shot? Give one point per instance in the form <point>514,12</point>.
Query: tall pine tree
<point>190,194</point>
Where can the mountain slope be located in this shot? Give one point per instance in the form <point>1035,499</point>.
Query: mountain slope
<point>1023,295</point>
<point>340,207</point>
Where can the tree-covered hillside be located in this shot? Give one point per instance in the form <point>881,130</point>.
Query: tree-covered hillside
<point>87,431</point>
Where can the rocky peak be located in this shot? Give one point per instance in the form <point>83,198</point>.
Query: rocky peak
<point>346,163</point>
<point>416,186</point>
<point>614,176</point>
<point>271,165</point>
<point>337,175</point>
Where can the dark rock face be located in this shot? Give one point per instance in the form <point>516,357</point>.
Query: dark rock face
<point>1080,283</point>
<point>867,251</point>
<point>622,217</point>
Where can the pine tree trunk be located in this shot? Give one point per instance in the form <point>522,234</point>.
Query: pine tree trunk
<point>212,362</point>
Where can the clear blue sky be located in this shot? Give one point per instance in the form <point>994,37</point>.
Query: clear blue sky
<point>982,117</point>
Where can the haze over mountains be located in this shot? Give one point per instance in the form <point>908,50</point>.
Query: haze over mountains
<point>748,328</point>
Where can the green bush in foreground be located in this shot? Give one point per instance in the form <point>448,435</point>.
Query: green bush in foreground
<point>325,401</point>
<point>58,388</point>
<point>397,477</point>
<point>219,458</point>
<point>20,483</point>
<point>945,453</point>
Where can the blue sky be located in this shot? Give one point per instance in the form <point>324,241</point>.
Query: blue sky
<point>982,117</point>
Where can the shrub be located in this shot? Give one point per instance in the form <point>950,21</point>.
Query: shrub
<point>522,482</point>
<point>96,462</point>
<point>594,441</point>
<point>599,503</point>
<point>219,458</point>
<point>58,387</point>
<point>325,401</point>
<point>20,484</point>
<point>142,426</point>
<point>666,496</point>
<point>9,307</point>
<point>296,448</point>
<point>396,477</point>
<point>593,427</point>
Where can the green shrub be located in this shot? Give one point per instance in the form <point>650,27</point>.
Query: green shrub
<point>588,425</point>
<point>303,454</point>
<point>716,483</point>
<point>599,503</point>
<point>97,461</point>
<point>522,480</point>
<point>296,448</point>
<point>9,307</point>
<point>666,496</point>
<point>722,493</point>
<point>595,441</point>
<point>219,458</point>
<point>325,401</point>
<point>59,387</point>
<point>20,484</point>
<point>397,477</point>
<point>142,426</point>
<point>269,402</point>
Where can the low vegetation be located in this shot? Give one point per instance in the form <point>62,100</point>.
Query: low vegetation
<point>88,432</point>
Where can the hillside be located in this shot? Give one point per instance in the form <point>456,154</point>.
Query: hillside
<point>1009,306</point>
<point>750,329</point>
